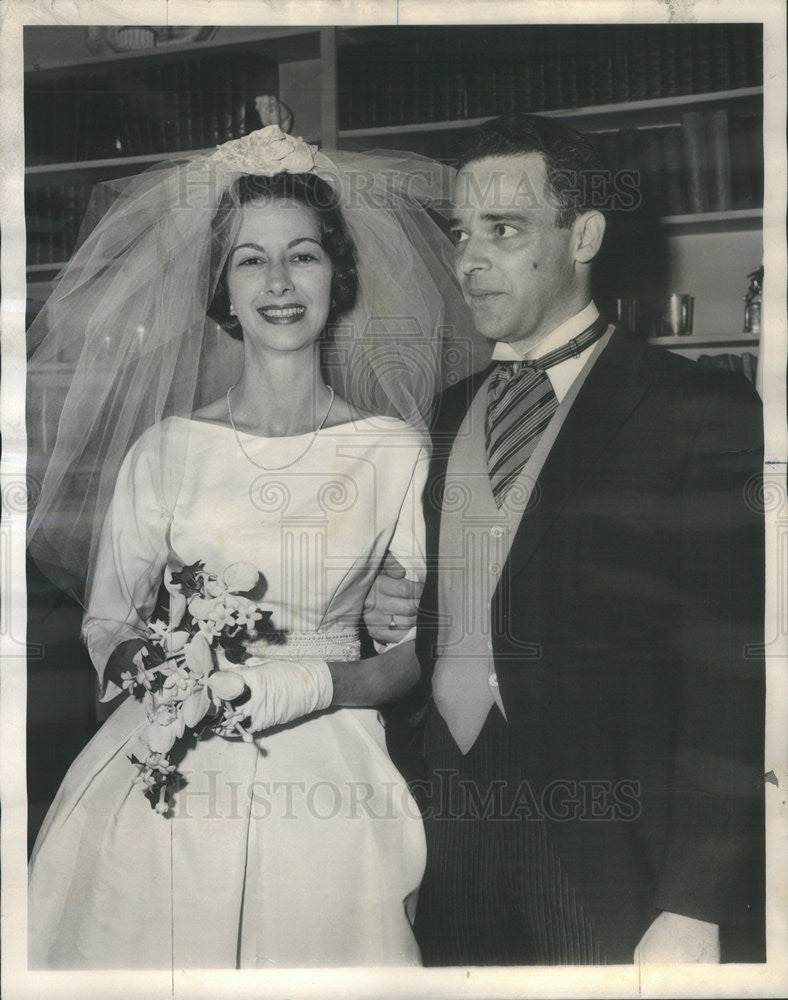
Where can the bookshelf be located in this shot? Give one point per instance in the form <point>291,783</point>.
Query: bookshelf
<point>636,90</point>
<point>642,93</point>
<point>642,113</point>
<point>92,118</point>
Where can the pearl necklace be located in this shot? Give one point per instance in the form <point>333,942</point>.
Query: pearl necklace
<point>277,468</point>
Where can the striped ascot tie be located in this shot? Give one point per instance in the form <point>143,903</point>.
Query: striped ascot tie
<point>520,405</point>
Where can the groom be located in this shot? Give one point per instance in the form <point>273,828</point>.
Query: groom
<point>591,618</point>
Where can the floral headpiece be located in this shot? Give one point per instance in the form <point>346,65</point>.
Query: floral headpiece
<point>267,152</point>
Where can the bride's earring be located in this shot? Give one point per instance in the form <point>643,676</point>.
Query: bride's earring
<point>232,309</point>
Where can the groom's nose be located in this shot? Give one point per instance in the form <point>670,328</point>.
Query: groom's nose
<point>473,258</point>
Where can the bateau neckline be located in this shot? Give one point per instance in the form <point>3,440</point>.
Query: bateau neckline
<point>290,437</point>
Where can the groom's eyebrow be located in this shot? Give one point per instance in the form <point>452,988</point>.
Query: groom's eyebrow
<point>521,218</point>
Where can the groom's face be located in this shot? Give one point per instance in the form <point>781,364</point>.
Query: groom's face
<point>515,266</point>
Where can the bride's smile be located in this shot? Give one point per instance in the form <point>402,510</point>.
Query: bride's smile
<point>279,275</point>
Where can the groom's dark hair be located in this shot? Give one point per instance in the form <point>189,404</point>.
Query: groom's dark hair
<point>569,157</point>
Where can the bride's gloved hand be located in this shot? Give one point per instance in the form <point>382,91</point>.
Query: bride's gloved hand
<point>273,692</point>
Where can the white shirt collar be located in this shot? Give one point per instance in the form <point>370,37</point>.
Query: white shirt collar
<point>564,373</point>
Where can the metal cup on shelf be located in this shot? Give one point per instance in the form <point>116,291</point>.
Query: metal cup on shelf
<point>667,316</point>
<point>677,316</point>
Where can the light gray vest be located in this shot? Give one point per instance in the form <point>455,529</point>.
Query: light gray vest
<point>475,539</point>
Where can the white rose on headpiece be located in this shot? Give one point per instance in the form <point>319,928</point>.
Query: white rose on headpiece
<point>267,151</point>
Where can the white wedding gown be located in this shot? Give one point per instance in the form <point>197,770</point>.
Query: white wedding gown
<point>303,848</point>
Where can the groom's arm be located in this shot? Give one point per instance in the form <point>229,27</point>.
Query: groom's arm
<point>391,605</point>
<point>716,794</point>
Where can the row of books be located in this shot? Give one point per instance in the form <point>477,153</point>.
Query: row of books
<point>159,107</point>
<point>745,363</point>
<point>446,74</point>
<point>54,217</point>
<point>711,162</point>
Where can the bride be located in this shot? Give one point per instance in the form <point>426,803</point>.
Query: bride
<point>290,838</point>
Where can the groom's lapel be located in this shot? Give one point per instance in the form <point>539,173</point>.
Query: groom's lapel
<point>608,396</point>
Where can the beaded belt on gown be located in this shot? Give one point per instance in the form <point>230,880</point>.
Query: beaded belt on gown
<point>333,644</point>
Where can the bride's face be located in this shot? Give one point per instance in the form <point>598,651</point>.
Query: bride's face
<point>279,275</point>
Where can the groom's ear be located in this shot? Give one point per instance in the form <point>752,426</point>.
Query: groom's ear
<point>588,231</point>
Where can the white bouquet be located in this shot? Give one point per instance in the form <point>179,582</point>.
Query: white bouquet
<point>210,622</point>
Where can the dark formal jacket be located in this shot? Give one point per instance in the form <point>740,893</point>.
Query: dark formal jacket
<point>627,632</point>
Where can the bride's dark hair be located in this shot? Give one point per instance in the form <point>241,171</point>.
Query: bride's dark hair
<point>316,194</point>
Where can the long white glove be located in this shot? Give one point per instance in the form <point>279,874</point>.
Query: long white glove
<point>279,691</point>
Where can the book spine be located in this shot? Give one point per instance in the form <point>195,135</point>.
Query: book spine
<point>703,78</point>
<point>80,145</point>
<point>206,124</point>
<point>756,54</point>
<point>750,365</point>
<point>694,160</point>
<point>637,64</point>
<point>669,62</point>
<point>620,66</point>
<point>125,113</point>
<point>31,213</point>
<point>603,67</point>
<point>536,72</point>
<point>425,97</point>
<point>223,97</point>
<point>413,84</point>
<point>477,82</point>
<point>512,83</point>
<point>553,63</point>
<point>716,124</point>
<point>135,101</point>
<point>32,117</point>
<point>652,168</point>
<point>67,226</point>
<point>41,226</point>
<point>140,83</point>
<point>176,111</point>
<point>400,85</point>
<point>443,82</point>
<point>739,61</point>
<point>184,74</point>
<point>746,140</point>
<point>207,96</point>
<point>720,57</point>
<point>385,110</point>
<point>161,138</point>
<point>654,64</point>
<point>60,230</point>
<point>611,150</point>
<point>567,54</point>
<point>344,91</point>
<point>629,146</point>
<point>83,195</point>
<point>367,86</point>
<point>458,91</point>
<point>673,168</point>
<point>685,76</point>
<point>241,117</point>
